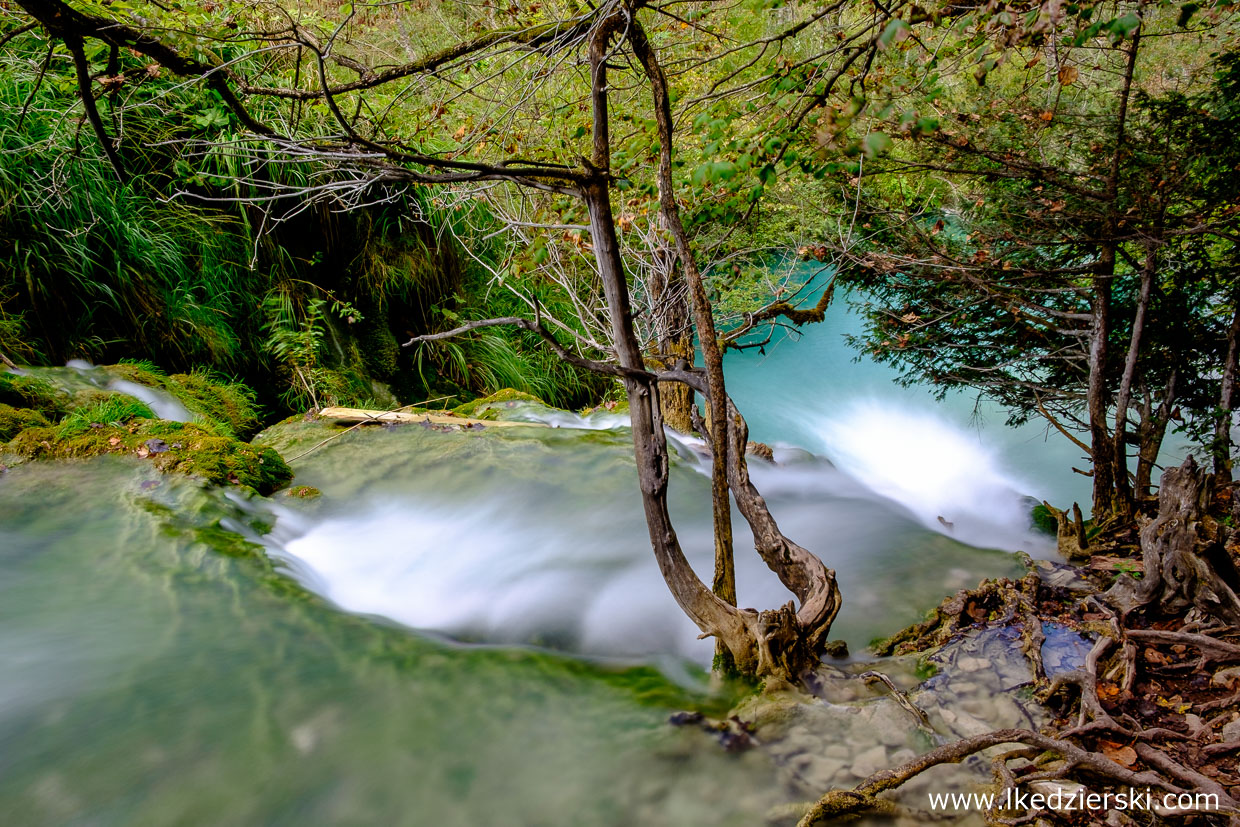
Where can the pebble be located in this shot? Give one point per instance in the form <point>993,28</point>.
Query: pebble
<point>869,762</point>
<point>820,771</point>
<point>1226,677</point>
<point>1230,732</point>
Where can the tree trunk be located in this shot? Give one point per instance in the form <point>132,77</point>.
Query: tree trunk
<point>674,338</point>
<point>1101,446</point>
<point>780,643</point>
<point>1123,502</point>
<point>1222,428</point>
<point>1108,465</point>
<point>1150,433</point>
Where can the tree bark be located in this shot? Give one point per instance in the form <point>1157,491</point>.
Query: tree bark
<point>703,319</point>
<point>1107,461</point>
<point>1123,503</point>
<point>674,337</point>
<point>1222,428</point>
<point>1185,562</point>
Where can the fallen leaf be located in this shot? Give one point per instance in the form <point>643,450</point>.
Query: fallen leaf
<point>1068,74</point>
<point>143,453</point>
<point>1124,756</point>
<point>156,445</point>
<point>114,441</point>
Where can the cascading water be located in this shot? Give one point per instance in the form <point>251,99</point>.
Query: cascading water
<point>162,672</point>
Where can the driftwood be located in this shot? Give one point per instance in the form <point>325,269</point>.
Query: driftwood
<point>355,416</point>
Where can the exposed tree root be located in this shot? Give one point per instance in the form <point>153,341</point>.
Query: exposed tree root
<point>1144,710</point>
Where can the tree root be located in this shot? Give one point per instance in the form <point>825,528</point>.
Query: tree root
<point>1127,721</point>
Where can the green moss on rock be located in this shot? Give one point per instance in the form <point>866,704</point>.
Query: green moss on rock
<point>476,407</point>
<point>15,420</point>
<point>112,409</point>
<point>303,492</point>
<point>172,447</point>
<point>32,392</point>
<point>1043,520</point>
<point>231,406</point>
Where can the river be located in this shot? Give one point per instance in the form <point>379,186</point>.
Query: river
<point>465,628</point>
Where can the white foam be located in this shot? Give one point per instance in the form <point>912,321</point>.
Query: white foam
<point>935,468</point>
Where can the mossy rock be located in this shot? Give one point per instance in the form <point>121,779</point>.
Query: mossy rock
<point>229,406</point>
<point>31,392</point>
<point>475,408</point>
<point>141,373</point>
<point>15,420</point>
<point>613,407</point>
<point>303,492</point>
<point>1043,520</point>
<point>172,447</point>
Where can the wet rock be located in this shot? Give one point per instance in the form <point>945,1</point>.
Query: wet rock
<point>869,762</point>
<point>1230,732</point>
<point>836,649</point>
<point>838,751</point>
<point>902,756</point>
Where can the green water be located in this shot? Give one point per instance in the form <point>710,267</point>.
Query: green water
<point>157,671</point>
<point>463,629</point>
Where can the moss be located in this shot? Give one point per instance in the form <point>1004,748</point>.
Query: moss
<point>1043,520</point>
<point>303,492</point>
<point>34,393</point>
<point>15,420</point>
<point>380,351</point>
<point>499,398</point>
<point>231,406</point>
<point>172,447</point>
<point>142,373</point>
<point>616,407</point>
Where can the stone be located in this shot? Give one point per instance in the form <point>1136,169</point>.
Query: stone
<point>869,762</point>
<point>1226,678</point>
<point>820,771</point>
<point>1230,733</point>
<point>902,756</point>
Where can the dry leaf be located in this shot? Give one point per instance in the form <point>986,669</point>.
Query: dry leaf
<point>1068,74</point>
<point>1124,756</point>
<point>114,441</point>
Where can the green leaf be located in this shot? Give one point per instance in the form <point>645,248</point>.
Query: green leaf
<point>896,31</point>
<point>1122,27</point>
<point>876,143</point>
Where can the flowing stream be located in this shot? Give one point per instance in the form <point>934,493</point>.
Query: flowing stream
<point>467,627</point>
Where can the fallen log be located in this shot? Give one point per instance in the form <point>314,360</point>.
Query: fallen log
<point>361,416</point>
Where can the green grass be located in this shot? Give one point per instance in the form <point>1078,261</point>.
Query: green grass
<point>114,410</point>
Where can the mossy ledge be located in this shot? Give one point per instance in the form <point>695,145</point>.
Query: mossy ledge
<point>172,447</point>
<point>15,420</point>
<point>229,406</point>
<point>479,408</point>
